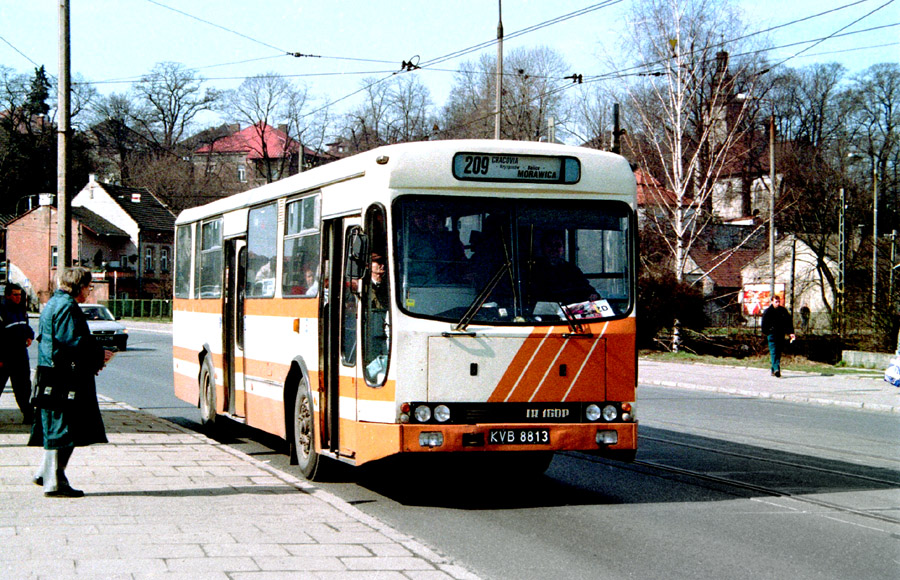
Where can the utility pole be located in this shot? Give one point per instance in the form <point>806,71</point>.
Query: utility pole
<point>874,236</point>
<point>64,204</point>
<point>499,98</point>
<point>842,260</point>
<point>772,204</point>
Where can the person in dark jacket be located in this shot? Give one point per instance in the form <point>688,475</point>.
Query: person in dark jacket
<point>776,322</point>
<point>16,336</point>
<point>67,413</point>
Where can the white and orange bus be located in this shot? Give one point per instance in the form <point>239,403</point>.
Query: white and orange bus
<point>472,297</point>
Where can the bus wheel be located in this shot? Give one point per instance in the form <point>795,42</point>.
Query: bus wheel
<point>207,395</point>
<point>304,445</point>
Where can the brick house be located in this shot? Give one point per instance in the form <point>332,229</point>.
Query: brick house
<point>31,248</point>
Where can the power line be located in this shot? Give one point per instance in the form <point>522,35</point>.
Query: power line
<point>219,26</point>
<point>20,52</point>
<point>263,43</point>
<point>833,34</point>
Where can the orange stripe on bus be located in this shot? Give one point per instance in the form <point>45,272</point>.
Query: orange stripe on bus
<point>207,306</point>
<point>518,366</point>
<point>538,368</point>
<point>287,307</point>
<point>578,356</point>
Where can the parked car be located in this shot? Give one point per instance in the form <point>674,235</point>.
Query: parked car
<point>104,326</point>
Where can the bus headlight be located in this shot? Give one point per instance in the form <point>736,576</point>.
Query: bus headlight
<point>431,439</point>
<point>442,413</point>
<point>592,413</point>
<point>610,413</point>
<point>423,414</point>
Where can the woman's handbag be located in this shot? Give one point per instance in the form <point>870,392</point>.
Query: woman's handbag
<point>53,388</point>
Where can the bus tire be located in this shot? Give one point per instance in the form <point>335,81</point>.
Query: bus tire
<point>310,462</point>
<point>207,403</point>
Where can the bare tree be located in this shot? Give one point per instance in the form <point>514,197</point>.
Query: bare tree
<point>393,110</point>
<point>469,111</point>
<point>410,105</point>
<point>263,101</point>
<point>687,121</point>
<point>685,108</point>
<point>534,83</point>
<point>168,99</point>
<point>591,116</point>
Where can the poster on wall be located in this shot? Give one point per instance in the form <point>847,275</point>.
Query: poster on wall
<point>755,298</point>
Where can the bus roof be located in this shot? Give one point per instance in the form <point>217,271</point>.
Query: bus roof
<point>427,165</point>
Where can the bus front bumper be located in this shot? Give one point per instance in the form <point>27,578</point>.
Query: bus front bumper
<point>615,438</point>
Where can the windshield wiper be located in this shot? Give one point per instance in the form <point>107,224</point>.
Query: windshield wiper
<point>481,298</point>
<point>576,328</point>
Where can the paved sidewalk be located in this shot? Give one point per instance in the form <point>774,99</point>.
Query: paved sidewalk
<point>164,502</point>
<point>865,390</point>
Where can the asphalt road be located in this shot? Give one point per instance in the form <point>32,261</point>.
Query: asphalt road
<point>724,487</point>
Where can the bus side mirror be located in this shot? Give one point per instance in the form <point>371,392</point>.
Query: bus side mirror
<point>357,258</point>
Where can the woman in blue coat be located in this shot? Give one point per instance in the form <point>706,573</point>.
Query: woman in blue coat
<point>67,413</point>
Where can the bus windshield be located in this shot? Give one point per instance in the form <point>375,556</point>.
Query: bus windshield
<point>526,261</point>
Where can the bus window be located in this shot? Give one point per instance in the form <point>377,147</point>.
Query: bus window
<point>183,262</point>
<point>354,265</point>
<point>376,308</point>
<point>300,275</point>
<point>508,259</point>
<point>208,274</point>
<point>261,249</point>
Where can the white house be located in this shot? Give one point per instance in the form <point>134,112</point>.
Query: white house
<point>806,290</point>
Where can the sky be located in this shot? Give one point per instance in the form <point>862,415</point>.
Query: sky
<point>113,42</point>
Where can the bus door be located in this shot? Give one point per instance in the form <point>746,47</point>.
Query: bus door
<point>339,336</point>
<point>233,327</point>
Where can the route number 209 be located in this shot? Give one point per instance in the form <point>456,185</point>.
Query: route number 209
<point>476,164</point>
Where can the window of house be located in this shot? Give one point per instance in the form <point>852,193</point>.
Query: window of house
<point>164,259</point>
<point>262,245</point>
<point>183,262</point>
<point>242,173</point>
<point>148,259</point>
<point>210,262</point>
<point>300,267</point>
<point>54,257</point>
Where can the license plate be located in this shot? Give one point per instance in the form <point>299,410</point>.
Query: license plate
<point>519,437</point>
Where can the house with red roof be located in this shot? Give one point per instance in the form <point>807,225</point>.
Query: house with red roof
<point>253,156</point>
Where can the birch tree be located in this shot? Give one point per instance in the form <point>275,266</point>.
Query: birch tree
<point>686,117</point>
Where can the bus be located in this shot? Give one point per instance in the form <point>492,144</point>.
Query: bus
<point>464,297</point>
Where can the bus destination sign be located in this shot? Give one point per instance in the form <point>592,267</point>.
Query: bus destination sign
<point>516,168</point>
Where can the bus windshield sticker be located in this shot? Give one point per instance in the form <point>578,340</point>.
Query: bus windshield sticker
<point>516,168</point>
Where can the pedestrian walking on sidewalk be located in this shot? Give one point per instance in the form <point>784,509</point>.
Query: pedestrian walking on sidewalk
<point>776,322</point>
<point>15,337</point>
<point>67,414</point>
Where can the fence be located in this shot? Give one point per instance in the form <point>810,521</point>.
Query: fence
<point>132,308</point>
